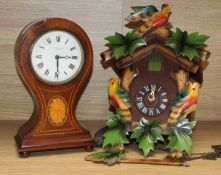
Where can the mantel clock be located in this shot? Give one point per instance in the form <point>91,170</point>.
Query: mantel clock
<point>54,60</point>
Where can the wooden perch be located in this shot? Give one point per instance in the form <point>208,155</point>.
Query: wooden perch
<point>144,161</point>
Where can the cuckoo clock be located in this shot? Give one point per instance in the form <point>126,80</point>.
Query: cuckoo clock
<point>154,97</point>
<point>153,76</point>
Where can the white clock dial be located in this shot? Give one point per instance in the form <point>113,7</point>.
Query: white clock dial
<point>57,57</point>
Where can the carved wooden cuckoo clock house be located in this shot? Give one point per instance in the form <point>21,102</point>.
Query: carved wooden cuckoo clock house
<point>154,98</point>
<point>154,75</point>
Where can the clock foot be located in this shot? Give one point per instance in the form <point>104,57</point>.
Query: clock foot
<point>24,154</point>
<point>89,148</point>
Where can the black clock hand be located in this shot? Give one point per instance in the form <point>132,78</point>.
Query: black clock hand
<point>66,57</point>
<point>57,65</point>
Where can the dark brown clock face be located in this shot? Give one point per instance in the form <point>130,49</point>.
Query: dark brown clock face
<point>152,90</point>
<point>151,100</point>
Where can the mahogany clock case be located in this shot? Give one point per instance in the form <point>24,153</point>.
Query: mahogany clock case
<point>38,133</point>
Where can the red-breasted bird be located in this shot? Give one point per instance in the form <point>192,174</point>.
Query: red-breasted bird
<point>158,19</point>
<point>141,13</point>
<point>119,98</point>
<point>185,103</point>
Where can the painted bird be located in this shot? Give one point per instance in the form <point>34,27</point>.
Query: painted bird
<point>185,103</point>
<point>158,19</point>
<point>119,98</point>
<point>141,13</point>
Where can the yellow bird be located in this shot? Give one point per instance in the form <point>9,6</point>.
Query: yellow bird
<point>158,19</point>
<point>119,98</point>
<point>185,103</point>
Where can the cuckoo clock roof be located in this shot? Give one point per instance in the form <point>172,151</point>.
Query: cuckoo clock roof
<point>195,67</point>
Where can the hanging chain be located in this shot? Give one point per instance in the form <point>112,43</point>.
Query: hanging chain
<point>205,155</point>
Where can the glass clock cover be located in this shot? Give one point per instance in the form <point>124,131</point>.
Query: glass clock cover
<point>57,57</point>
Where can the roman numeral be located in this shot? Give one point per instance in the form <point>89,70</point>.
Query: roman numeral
<point>48,40</point>
<point>140,105</point>
<point>150,112</point>
<point>142,93</point>
<point>146,88</point>
<point>157,110</point>
<point>71,66</point>
<point>56,74</point>
<point>164,93</point>
<point>58,38</point>
<point>47,72</point>
<point>144,110</point>
<point>74,57</point>
<point>139,99</point>
<point>165,100</point>
<point>153,87</point>
<point>40,65</point>
<point>38,56</point>
<point>163,106</point>
<point>42,47</point>
<point>71,49</point>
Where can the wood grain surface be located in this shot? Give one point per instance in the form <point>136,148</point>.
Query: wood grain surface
<point>71,161</point>
<point>100,18</point>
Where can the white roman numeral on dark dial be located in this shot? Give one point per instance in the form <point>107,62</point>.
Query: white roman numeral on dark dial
<point>151,100</point>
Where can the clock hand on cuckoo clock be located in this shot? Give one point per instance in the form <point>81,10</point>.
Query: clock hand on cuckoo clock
<point>151,97</point>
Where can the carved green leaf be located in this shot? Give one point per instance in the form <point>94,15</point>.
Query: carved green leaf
<point>100,155</point>
<point>179,139</point>
<point>187,45</point>
<point>113,121</point>
<point>157,133</point>
<point>137,132</point>
<point>135,44</point>
<point>131,36</point>
<point>146,143</point>
<point>108,156</point>
<point>117,39</point>
<point>177,36</point>
<point>119,51</point>
<point>189,52</point>
<point>121,45</point>
<point>174,44</point>
<point>146,134</point>
<point>116,132</point>
<point>196,39</point>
